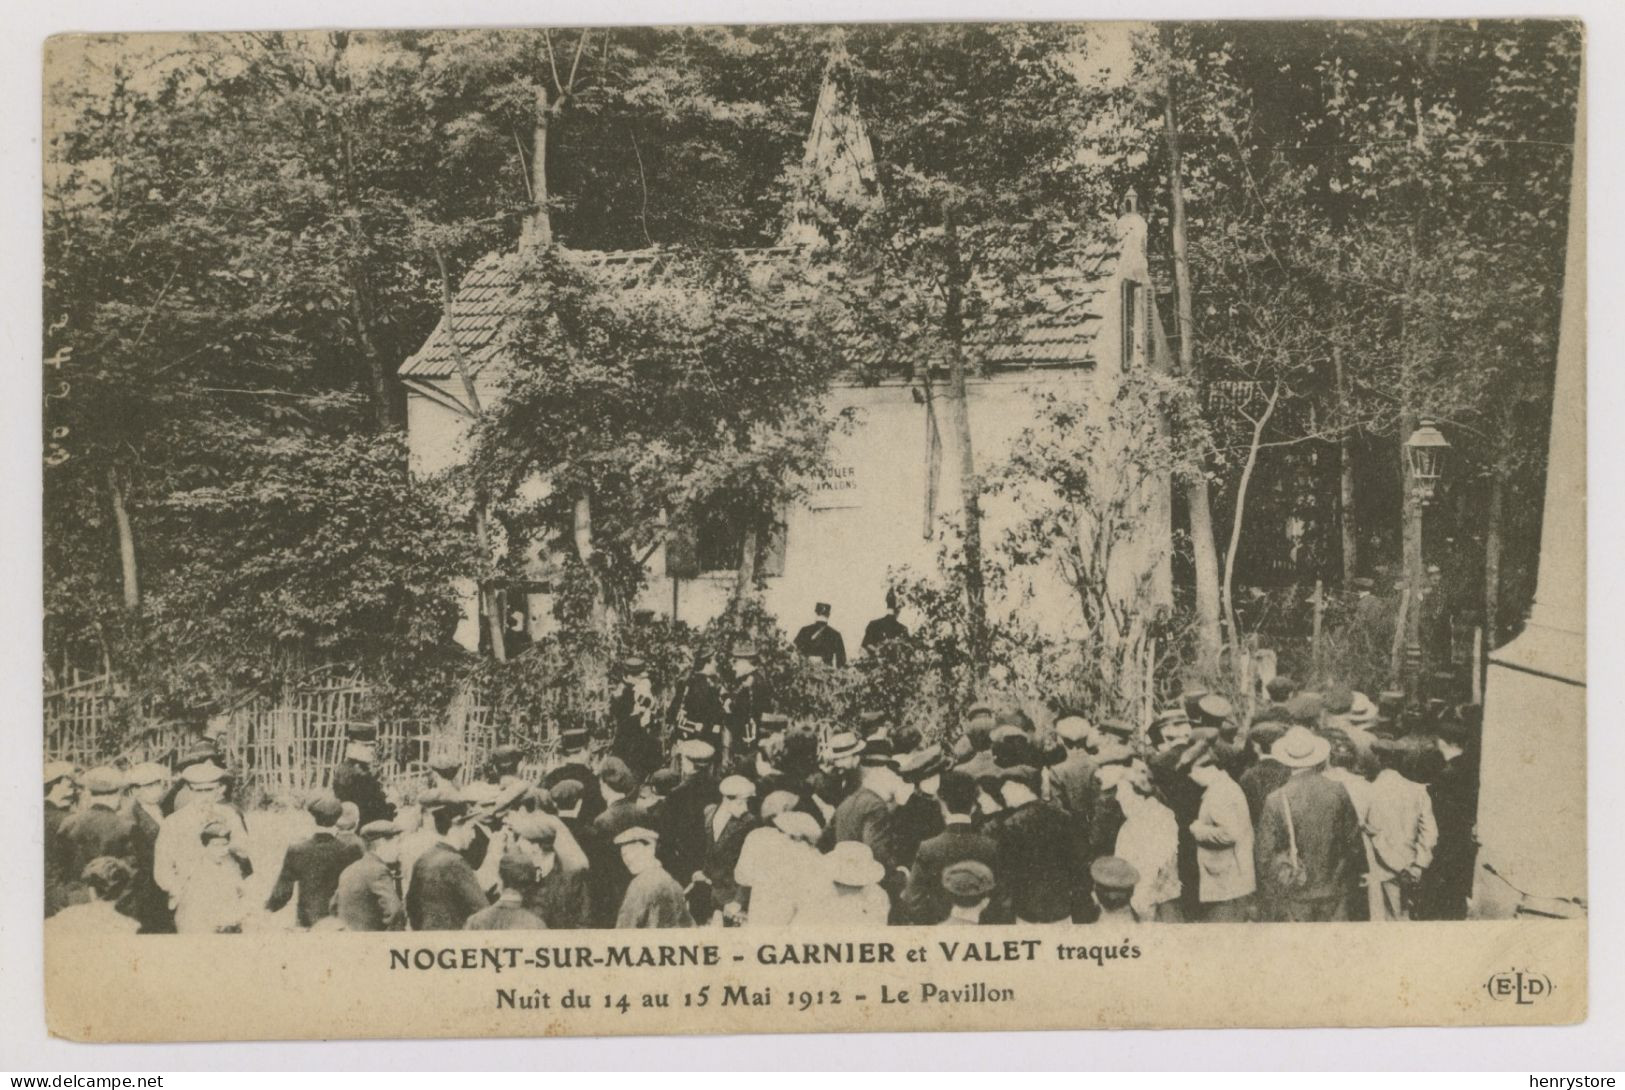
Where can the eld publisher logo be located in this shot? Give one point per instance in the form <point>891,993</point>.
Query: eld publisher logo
<point>1521,986</point>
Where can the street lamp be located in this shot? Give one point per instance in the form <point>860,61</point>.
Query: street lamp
<point>1425,456</point>
<point>1426,450</point>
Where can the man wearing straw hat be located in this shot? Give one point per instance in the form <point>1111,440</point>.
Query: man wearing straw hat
<point>1309,852</point>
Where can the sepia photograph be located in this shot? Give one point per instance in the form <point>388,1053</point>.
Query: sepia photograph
<point>753,497</point>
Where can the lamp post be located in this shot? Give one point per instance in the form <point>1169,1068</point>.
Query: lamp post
<point>1425,456</point>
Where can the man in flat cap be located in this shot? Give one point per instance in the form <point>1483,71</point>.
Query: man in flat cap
<point>354,780</point>
<point>1043,854</point>
<point>200,750</point>
<point>837,776</point>
<point>559,891</point>
<point>820,640</point>
<point>102,828</point>
<point>368,896</point>
<point>653,898</point>
<point>608,876</point>
<point>504,764</point>
<point>508,912</point>
<point>443,891</point>
<point>728,822</point>
<point>969,887</point>
<point>1114,881</point>
<point>574,746</point>
<point>61,794</point>
<point>683,841</point>
<point>313,866</point>
<point>178,851</point>
<point>923,899</point>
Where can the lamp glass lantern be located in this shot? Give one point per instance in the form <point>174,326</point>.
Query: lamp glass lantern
<point>1426,451</point>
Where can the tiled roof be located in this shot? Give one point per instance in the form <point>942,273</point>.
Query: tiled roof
<point>1060,328</point>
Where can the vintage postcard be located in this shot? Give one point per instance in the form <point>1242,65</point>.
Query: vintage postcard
<point>588,531</point>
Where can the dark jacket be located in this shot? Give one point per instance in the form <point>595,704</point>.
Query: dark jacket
<point>562,897</point>
<point>913,823</point>
<point>683,841</point>
<point>369,896</point>
<point>56,871</point>
<point>747,701</point>
<point>444,891</point>
<point>864,815</point>
<point>592,795</point>
<point>1043,862</point>
<point>314,865</point>
<point>1259,782</point>
<point>881,629</point>
<point>1448,881</point>
<point>506,915</point>
<point>722,853</point>
<point>93,832</point>
<point>145,901</point>
<point>821,641</point>
<point>354,782</point>
<point>924,900</point>
<point>1330,847</point>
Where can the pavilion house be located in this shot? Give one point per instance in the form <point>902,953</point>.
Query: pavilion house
<point>895,478</point>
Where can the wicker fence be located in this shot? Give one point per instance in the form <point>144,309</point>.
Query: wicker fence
<point>285,746</point>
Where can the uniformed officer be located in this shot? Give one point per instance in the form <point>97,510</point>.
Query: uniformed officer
<point>354,780</point>
<point>633,712</point>
<point>1114,881</point>
<point>821,640</point>
<point>369,890</point>
<point>747,701</point>
<point>886,627</point>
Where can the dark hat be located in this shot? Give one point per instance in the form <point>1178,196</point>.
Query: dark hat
<point>199,751</point>
<point>567,793</point>
<point>773,723</point>
<point>922,764</point>
<point>662,780</point>
<point>214,830</point>
<point>1339,700</point>
<point>1110,872</point>
<point>379,830</point>
<point>1280,687</point>
<point>107,872</point>
<point>744,650</point>
<point>1266,734</point>
<point>1022,774</point>
<point>637,834</point>
<point>1305,708</point>
<point>325,810</point>
<point>507,753</point>
<point>534,828</point>
<point>822,609</point>
<point>872,719</point>
<point>617,776</point>
<point>1050,750</point>
<point>516,872</point>
<point>967,879</point>
<point>877,753</point>
<point>574,738</point>
<point>433,801</point>
<point>1012,750</point>
<point>1117,728</point>
<point>362,732</point>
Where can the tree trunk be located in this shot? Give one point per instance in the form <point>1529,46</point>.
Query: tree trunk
<point>1411,542</point>
<point>1347,518</point>
<point>970,484</point>
<point>126,541</point>
<point>489,598</point>
<point>538,228</point>
<point>745,580</point>
<point>1210,638</point>
<point>383,405</point>
<point>1494,530</point>
<point>1236,520</point>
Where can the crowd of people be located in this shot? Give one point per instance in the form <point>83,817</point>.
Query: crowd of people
<point>708,810</point>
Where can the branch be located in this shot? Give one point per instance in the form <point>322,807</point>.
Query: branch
<point>552,65</point>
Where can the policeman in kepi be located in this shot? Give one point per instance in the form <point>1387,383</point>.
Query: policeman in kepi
<point>821,640</point>
<point>354,780</point>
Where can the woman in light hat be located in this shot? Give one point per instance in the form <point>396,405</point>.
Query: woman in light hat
<point>852,895</point>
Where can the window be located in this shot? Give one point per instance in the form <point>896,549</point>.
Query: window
<point>714,545</point>
<point>1130,321</point>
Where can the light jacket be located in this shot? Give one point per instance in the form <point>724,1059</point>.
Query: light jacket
<point>1223,831</point>
<point>1400,821</point>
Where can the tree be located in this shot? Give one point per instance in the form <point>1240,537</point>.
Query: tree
<point>978,187</point>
